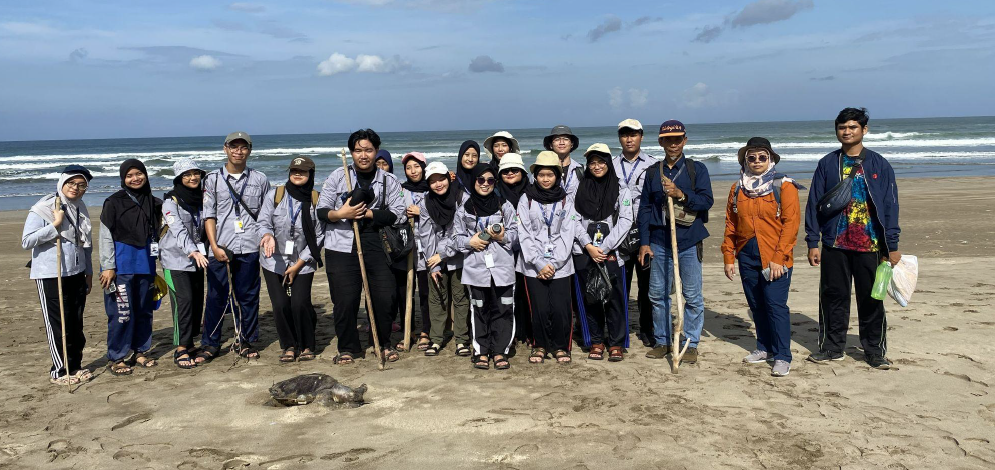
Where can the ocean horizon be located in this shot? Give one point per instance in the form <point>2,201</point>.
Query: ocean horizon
<point>916,147</point>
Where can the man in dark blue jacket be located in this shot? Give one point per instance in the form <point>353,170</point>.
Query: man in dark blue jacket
<point>855,237</point>
<point>687,182</point>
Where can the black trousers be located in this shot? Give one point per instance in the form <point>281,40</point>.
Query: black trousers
<point>346,288</point>
<point>551,312</point>
<point>186,296</point>
<point>420,295</point>
<point>598,316</point>
<point>838,269</point>
<point>633,269</point>
<point>493,319</point>
<point>73,299</point>
<point>294,314</point>
<point>523,312</point>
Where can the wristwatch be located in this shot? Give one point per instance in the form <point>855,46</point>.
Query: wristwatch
<point>683,199</point>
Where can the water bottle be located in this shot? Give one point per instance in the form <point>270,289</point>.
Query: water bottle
<point>882,277</point>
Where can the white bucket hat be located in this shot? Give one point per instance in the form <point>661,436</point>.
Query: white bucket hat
<point>511,160</point>
<point>489,142</point>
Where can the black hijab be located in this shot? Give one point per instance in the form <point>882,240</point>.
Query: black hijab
<point>130,214</point>
<point>442,207</point>
<point>483,206</point>
<point>596,197</point>
<point>190,199</point>
<point>416,187</point>
<point>463,177</point>
<point>541,195</point>
<point>302,194</point>
<point>513,192</point>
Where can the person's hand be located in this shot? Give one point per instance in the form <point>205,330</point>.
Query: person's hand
<point>89,283</point>
<point>644,252</point>
<point>477,244</point>
<point>106,278</point>
<point>496,236</point>
<point>350,212</point>
<point>413,211</point>
<point>547,272</point>
<point>436,277</point>
<point>595,253</point>
<point>814,257</point>
<point>268,244</point>
<point>219,254</point>
<point>894,257</point>
<point>776,270</point>
<point>730,271</point>
<point>290,274</point>
<point>58,214</point>
<point>671,189</point>
<point>433,261</point>
<point>198,259</point>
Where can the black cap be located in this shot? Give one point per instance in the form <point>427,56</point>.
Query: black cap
<point>77,170</point>
<point>758,143</point>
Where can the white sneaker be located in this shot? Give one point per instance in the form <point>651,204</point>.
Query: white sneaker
<point>756,357</point>
<point>781,368</point>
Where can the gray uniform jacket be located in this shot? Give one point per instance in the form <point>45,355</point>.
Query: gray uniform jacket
<point>632,174</point>
<point>547,228</point>
<point>570,181</point>
<point>434,239</point>
<point>181,238</point>
<point>339,235</point>
<point>615,232</point>
<point>415,199</point>
<point>475,270</point>
<point>39,237</point>
<point>220,205</point>
<point>275,220</point>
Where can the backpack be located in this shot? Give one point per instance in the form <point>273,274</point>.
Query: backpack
<point>282,191</point>
<point>165,226</point>
<point>778,181</point>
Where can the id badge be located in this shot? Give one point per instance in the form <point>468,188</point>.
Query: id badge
<point>202,249</point>
<point>548,253</point>
<point>239,226</point>
<point>154,249</point>
<point>288,248</point>
<point>489,260</point>
<point>598,238</point>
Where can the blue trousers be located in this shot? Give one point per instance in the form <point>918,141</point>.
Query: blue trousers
<point>661,278</point>
<point>769,303</point>
<point>245,285</point>
<point>129,315</point>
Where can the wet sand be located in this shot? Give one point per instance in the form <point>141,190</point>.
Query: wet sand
<point>934,409</point>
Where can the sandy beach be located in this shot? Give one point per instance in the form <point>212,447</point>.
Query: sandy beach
<point>933,409</point>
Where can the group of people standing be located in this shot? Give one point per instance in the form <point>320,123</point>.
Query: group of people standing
<point>501,254</point>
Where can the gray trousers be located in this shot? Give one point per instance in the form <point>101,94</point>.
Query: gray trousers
<point>449,291</point>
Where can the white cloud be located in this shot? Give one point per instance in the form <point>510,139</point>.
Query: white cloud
<point>336,63</point>
<point>615,99</point>
<point>637,98</point>
<point>205,62</point>
<point>363,63</point>
<point>701,96</point>
<point>27,29</point>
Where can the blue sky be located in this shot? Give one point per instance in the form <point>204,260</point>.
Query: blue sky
<point>71,69</point>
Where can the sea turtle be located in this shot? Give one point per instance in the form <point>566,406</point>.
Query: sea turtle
<point>308,388</point>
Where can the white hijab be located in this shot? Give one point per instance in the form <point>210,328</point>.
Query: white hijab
<point>76,219</point>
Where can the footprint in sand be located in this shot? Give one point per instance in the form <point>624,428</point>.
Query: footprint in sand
<point>299,458</point>
<point>138,418</point>
<point>61,449</point>
<point>350,455</point>
<point>950,328</point>
<point>130,456</point>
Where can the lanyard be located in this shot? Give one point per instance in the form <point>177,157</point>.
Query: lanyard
<point>293,215</point>
<point>548,220</point>
<point>482,228</point>
<point>152,230</point>
<point>236,199</point>
<point>75,224</point>
<point>626,175</point>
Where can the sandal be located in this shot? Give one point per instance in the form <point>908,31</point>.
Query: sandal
<point>391,355</point>
<point>306,355</point>
<point>182,359</point>
<point>432,350</point>
<point>501,362</point>
<point>343,358</point>
<point>84,375</point>
<point>205,354</point>
<point>538,356</point>
<point>288,355</point>
<point>615,354</point>
<point>424,342</point>
<point>65,380</point>
<point>481,362</point>
<point>597,352</point>
<point>248,352</point>
<point>562,357</point>
<point>120,368</point>
<point>463,350</point>
<point>142,360</point>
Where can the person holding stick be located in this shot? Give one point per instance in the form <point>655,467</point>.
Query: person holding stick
<point>686,183</point>
<point>291,244</point>
<point>59,222</point>
<point>371,198</point>
<point>435,232</point>
<point>486,231</point>
<point>414,188</point>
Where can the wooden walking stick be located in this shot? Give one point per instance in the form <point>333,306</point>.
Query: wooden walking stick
<point>62,308</point>
<point>676,352</point>
<point>362,270</point>
<point>410,294</point>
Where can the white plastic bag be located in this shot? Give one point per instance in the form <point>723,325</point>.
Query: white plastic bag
<point>904,276</point>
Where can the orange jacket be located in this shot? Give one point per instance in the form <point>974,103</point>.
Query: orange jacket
<point>757,217</point>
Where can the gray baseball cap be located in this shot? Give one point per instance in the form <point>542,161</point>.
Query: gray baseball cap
<point>239,135</point>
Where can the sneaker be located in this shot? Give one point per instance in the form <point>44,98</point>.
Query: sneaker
<point>781,368</point>
<point>826,356</point>
<point>690,356</point>
<point>658,352</point>
<point>878,361</point>
<point>756,357</point>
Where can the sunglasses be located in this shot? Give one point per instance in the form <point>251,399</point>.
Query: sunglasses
<point>762,158</point>
<point>486,181</point>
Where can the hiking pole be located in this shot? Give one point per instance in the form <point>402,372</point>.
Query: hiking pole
<point>676,352</point>
<point>409,296</point>
<point>362,270</point>
<point>62,308</point>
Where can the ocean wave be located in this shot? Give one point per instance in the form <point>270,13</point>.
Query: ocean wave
<point>892,135</point>
<point>829,145</point>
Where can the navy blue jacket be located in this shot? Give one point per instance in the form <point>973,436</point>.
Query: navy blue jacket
<point>653,226</point>
<point>881,185</point>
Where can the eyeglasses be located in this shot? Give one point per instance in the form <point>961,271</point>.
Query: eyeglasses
<point>239,149</point>
<point>190,176</point>
<point>486,181</point>
<point>598,162</point>
<point>78,186</point>
<point>561,140</point>
<point>762,158</point>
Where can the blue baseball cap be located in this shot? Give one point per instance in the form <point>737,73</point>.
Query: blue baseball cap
<point>77,170</point>
<point>672,128</point>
